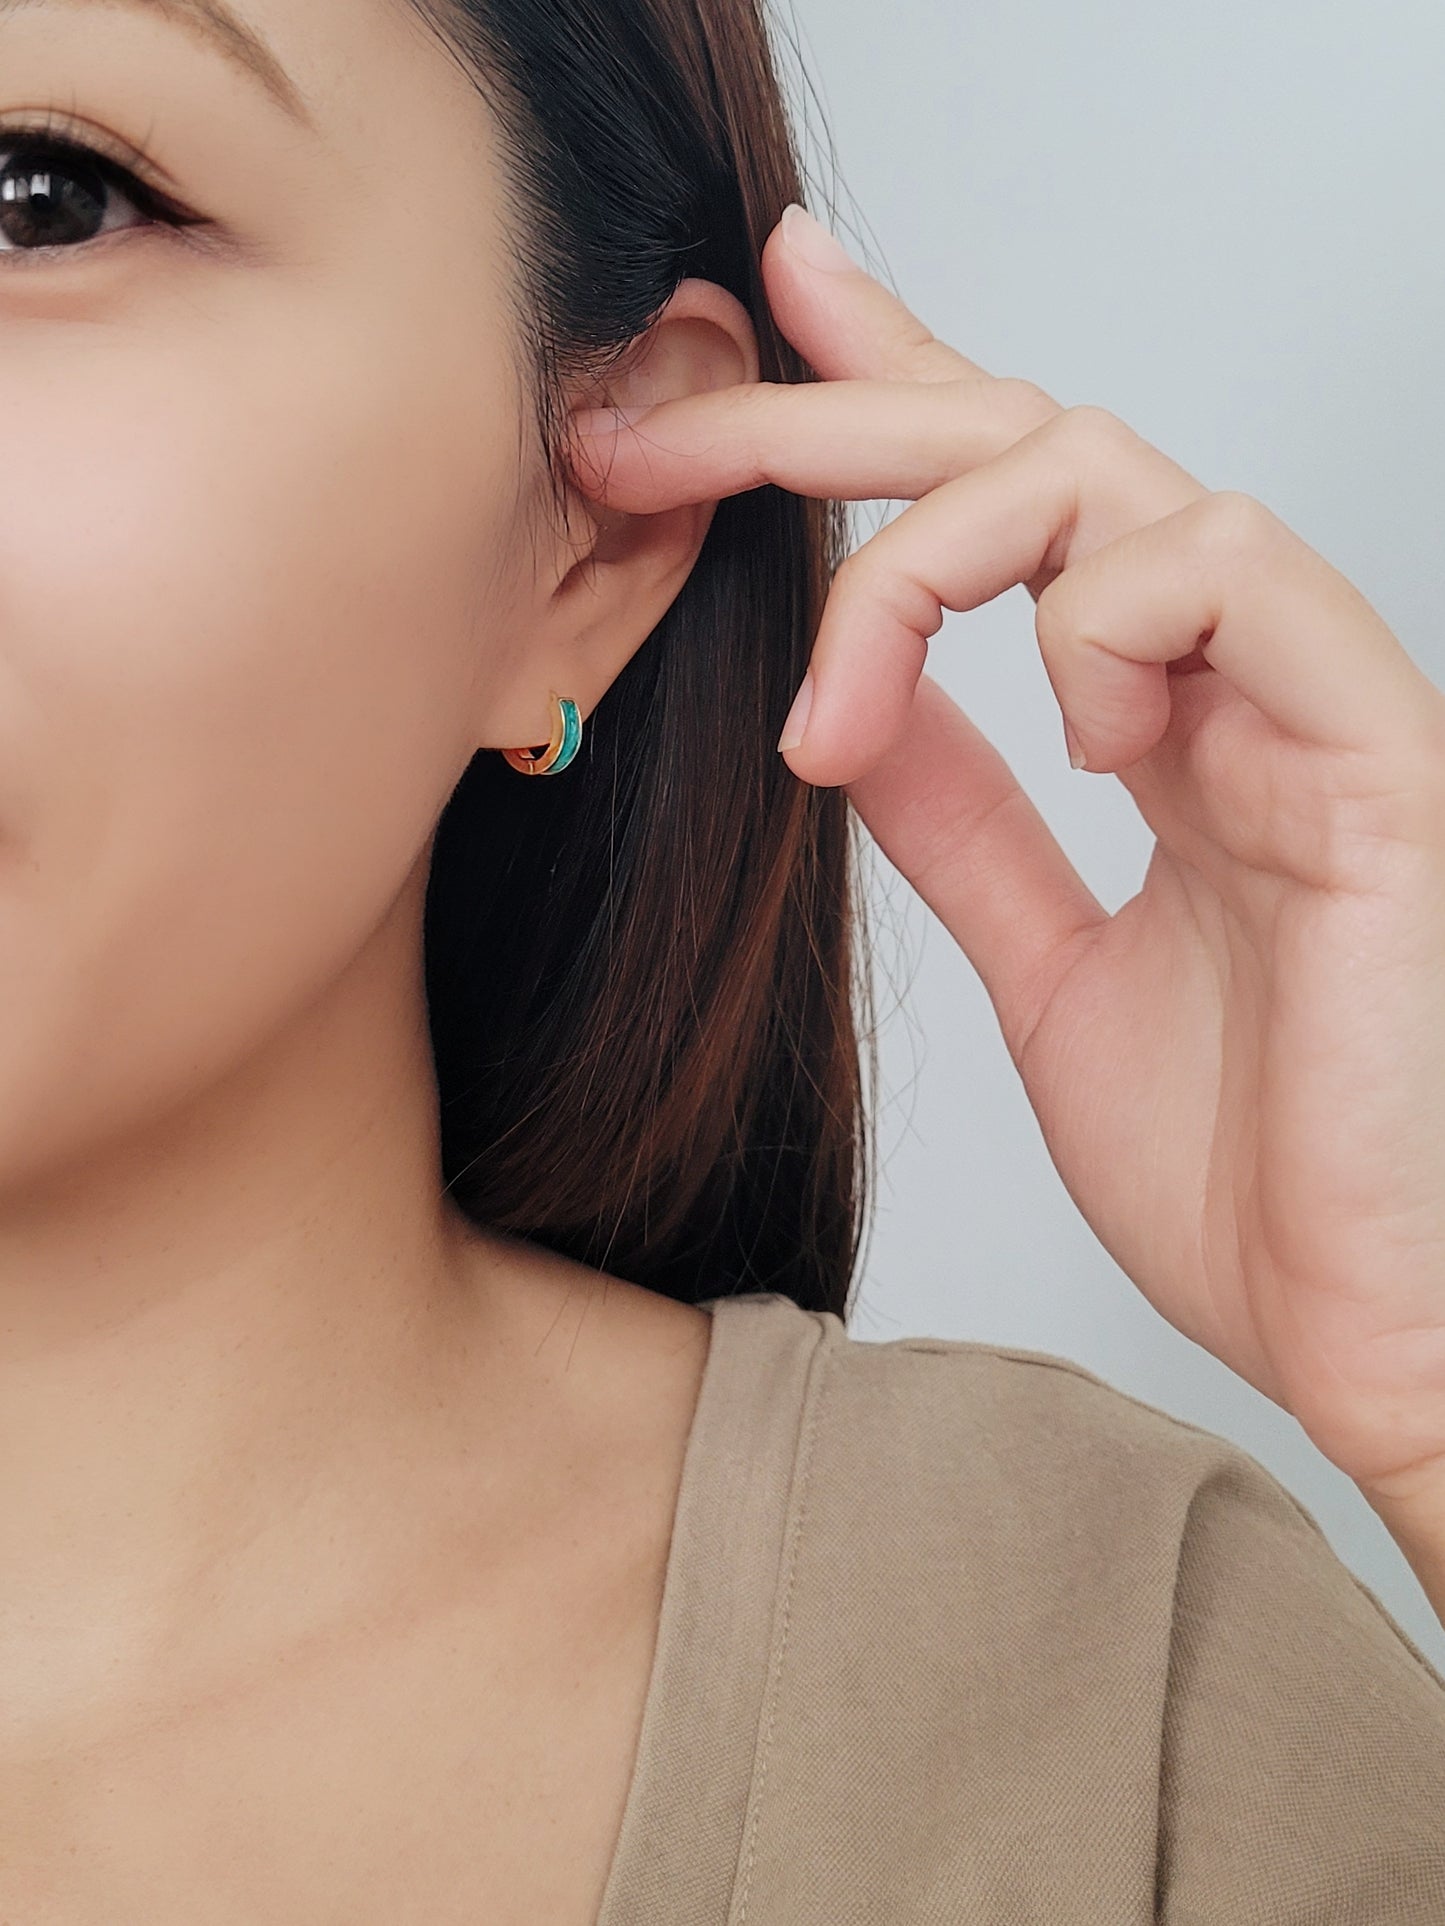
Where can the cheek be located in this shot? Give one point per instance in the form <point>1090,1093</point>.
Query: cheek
<point>239,637</point>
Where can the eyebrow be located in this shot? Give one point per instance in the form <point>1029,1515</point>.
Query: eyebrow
<point>214,22</point>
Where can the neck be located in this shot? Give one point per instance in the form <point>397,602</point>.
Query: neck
<point>224,1343</point>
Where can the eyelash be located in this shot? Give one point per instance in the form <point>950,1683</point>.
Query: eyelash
<point>49,138</point>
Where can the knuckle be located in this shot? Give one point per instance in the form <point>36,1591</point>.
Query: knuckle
<point>1056,615</point>
<point>846,572</point>
<point>1025,405</point>
<point>852,576</point>
<point>1091,431</point>
<point>871,575</point>
<point>765,411</point>
<point>916,345</point>
<point>1235,525</point>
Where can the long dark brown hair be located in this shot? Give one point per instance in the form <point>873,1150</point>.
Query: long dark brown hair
<point>645,974</point>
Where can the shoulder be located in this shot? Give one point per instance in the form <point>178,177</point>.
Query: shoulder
<point>1019,1436</point>
<point>1067,1491</point>
<point>1097,1636</point>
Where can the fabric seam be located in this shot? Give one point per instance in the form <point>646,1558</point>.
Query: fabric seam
<point>818,1369</point>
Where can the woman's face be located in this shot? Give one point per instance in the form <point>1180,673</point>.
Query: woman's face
<point>262,593</point>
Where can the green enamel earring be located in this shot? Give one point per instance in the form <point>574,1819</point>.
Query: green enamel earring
<point>560,751</point>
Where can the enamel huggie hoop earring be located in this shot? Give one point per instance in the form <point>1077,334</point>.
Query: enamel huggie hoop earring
<point>560,751</point>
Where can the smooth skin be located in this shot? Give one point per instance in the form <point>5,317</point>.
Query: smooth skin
<point>333,1529</point>
<point>1240,1075</point>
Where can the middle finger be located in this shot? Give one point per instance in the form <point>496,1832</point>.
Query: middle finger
<point>1076,485</point>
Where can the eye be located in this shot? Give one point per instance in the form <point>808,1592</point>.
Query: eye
<point>58,194</point>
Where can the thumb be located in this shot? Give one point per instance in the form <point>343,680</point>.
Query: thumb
<point>949,814</point>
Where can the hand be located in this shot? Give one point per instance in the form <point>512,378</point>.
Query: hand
<point>1241,1075</point>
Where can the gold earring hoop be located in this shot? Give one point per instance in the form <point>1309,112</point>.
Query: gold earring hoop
<point>560,751</point>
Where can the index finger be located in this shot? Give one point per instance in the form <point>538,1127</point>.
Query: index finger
<point>899,438</point>
<point>843,440</point>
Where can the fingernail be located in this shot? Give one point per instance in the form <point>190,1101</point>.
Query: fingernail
<point>797,722</point>
<point>811,240</point>
<point>607,421</point>
<point>1076,754</point>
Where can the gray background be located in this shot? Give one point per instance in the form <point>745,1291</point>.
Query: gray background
<point>1225,224</point>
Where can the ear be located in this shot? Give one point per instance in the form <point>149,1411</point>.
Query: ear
<point>603,585</point>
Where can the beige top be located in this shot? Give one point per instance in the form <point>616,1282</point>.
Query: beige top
<point>961,1634</point>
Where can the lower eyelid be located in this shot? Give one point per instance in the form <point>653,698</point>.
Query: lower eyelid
<point>155,210</point>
